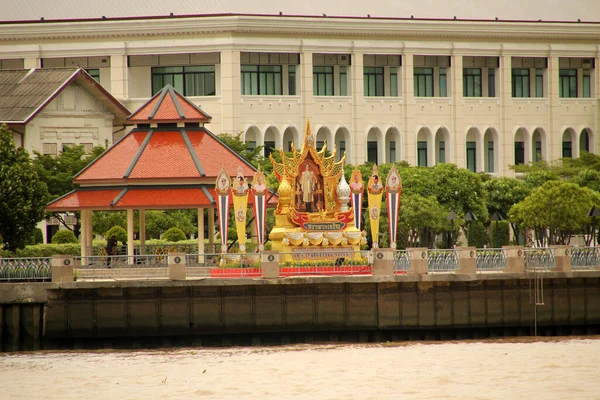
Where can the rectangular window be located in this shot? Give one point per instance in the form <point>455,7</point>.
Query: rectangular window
<point>490,156</point>
<point>539,83</point>
<point>269,148</point>
<point>323,81</point>
<point>87,147</point>
<point>520,83</point>
<point>587,84</point>
<point>341,149</point>
<point>422,154</point>
<point>251,144</point>
<point>372,152</point>
<point>262,80</point>
<point>198,80</point>
<point>392,151</point>
<point>292,80</point>
<point>423,82</point>
<point>50,149</point>
<point>538,151</point>
<point>567,150</point>
<point>472,82</point>
<point>94,73</point>
<point>443,82</point>
<point>519,153</point>
<point>373,81</point>
<point>441,151</point>
<point>491,82</point>
<point>567,83</point>
<point>320,144</point>
<point>394,82</point>
<point>343,81</point>
<point>472,156</point>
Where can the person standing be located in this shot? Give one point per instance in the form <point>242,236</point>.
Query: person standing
<point>111,248</point>
<point>308,183</point>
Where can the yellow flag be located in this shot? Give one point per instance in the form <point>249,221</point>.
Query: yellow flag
<point>239,192</point>
<point>375,190</point>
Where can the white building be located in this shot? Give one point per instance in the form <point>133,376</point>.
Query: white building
<point>483,94</point>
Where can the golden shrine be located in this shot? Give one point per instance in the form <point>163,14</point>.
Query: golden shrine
<point>312,216</point>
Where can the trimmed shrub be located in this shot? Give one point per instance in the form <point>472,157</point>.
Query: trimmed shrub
<point>64,236</point>
<point>119,232</point>
<point>173,234</point>
<point>503,234</point>
<point>477,235</point>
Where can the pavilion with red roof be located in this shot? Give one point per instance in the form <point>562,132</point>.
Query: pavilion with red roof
<point>169,160</point>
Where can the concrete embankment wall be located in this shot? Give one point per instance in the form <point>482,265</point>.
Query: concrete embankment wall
<point>259,311</point>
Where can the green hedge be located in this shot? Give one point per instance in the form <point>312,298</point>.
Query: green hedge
<point>477,235</point>
<point>64,236</point>
<point>44,250</point>
<point>503,234</point>
<point>173,234</point>
<point>118,232</point>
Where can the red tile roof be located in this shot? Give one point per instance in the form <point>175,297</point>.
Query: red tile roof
<point>168,106</point>
<point>84,199</point>
<point>162,198</point>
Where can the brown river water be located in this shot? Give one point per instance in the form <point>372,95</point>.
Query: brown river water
<point>520,368</point>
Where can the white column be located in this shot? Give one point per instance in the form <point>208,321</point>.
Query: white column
<point>409,138</point>
<point>504,149</point>
<point>119,76</point>
<point>458,153</point>
<point>358,141</point>
<point>90,232</point>
<point>142,232</point>
<point>554,135</point>
<point>130,229</point>
<point>84,237</point>
<point>200,234</point>
<point>231,92</point>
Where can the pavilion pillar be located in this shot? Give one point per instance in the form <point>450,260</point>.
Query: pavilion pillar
<point>200,235</point>
<point>90,234</point>
<point>211,228</point>
<point>142,232</point>
<point>130,228</point>
<point>84,232</point>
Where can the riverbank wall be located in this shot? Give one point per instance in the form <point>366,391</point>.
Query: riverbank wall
<point>223,312</point>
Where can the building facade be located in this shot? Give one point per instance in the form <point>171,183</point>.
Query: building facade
<point>482,94</point>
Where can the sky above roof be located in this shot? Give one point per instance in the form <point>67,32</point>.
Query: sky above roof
<point>547,10</point>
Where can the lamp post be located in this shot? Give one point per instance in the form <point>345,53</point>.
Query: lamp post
<point>469,217</point>
<point>451,217</point>
<point>594,212</point>
<point>496,217</point>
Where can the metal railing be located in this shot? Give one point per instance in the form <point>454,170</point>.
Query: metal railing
<point>442,260</point>
<point>491,259</point>
<point>122,267</point>
<point>402,261</point>
<point>585,257</point>
<point>25,269</point>
<point>539,258</point>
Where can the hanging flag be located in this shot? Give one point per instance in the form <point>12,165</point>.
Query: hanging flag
<point>239,192</point>
<point>223,188</point>
<point>357,189</point>
<point>259,190</point>
<point>393,187</point>
<point>375,189</point>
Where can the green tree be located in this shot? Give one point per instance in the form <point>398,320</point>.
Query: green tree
<point>173,234</point>
<point>57,172</point>
<point>235,143</point>
<point>554,211</point>
<point>64,236</point>
<point>23,194</point>
<point>421,218</point>
<point>502,194</point>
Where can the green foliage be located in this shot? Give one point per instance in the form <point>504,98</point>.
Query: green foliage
<point>503,193</point>
<point>119,232</point>
<point>235,143</point>
<point>589,178</point>
<point>44,250</point>
<point>36,237</point>
<point>23,194</point>
<point>499,234</point>
<point>102,221</point>
<point>421,219</point>
<point>477,235</point>
<point>64,236</point>
<point>58,171</point>
<point>173,234</point>
<point>555,211</point>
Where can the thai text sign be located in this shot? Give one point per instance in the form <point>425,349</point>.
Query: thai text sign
<point>323,226</point>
